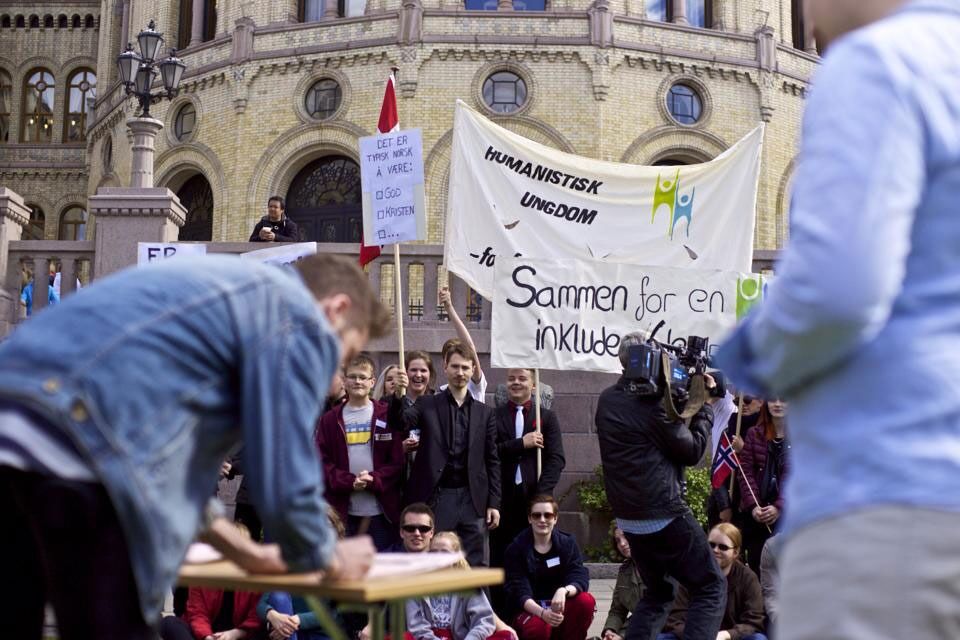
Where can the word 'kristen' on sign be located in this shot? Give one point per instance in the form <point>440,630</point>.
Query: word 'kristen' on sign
<point>571,314</point>
<point>148,252</point>
<point>510,197</point>
<point>391,178</point>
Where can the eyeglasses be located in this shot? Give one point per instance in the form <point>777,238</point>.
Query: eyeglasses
<point>721,547</point>
<point>357,377</point>
<point>543,515</point>
<point>422,529</point>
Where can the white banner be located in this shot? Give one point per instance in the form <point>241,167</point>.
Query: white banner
<point>148,252</point>
<point>511,196</point>
<point>570,314</point>
<point>282,252</point>
<point>391,177</point>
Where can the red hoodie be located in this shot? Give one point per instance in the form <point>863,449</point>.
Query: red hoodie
<point>203,605</point>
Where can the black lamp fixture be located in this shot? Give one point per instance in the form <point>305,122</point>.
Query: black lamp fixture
<point>138,71</point>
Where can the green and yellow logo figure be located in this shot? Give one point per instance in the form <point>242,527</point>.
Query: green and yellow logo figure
<point>749,293</point>
<point>680,205</point>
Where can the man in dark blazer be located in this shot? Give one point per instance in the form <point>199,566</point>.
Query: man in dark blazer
<point>456,470</point>
<point>517,447</point>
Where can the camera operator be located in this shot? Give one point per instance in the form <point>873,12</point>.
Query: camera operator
<point>643,454</point>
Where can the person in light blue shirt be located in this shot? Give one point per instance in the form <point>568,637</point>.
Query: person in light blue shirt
<point>861,330</point>
<point>26,297</point>
<point>117,408</point>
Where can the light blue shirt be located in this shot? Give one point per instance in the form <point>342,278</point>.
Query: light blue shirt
<point>861,331</point>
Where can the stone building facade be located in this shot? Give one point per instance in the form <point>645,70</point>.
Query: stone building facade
<point>277,93</point>
<point>48,62</point>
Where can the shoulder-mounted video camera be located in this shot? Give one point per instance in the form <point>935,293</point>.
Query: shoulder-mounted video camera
<point>674,372</point>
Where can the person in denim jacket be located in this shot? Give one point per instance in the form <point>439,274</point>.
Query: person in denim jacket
<point>118,406</point>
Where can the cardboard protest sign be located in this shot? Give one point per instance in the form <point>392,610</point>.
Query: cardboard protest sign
<point>391,177</point>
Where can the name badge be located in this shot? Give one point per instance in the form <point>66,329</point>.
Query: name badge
<point>381,424</point>
<point>383,436</point>
<point>553,562</point>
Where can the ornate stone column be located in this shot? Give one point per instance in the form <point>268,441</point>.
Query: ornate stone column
<point>14,216</point>
<point>196,22</point>
<point>144,132</point>
<point>138,213</point>
<point>680,12</point>
<point>809,39</point>
<point>330,10</point>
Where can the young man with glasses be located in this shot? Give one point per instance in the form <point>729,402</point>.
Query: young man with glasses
<point>362,459</point>
<point>546,582</point>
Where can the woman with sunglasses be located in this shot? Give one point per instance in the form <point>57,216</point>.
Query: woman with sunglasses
<point>546,582</point>
<point>743,617</point>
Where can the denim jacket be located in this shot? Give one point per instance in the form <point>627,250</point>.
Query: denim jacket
<point>156,372</point>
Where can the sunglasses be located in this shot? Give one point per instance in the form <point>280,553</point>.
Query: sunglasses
<point>721,547</point>
<point>417,528</point>
<point>543,515</point>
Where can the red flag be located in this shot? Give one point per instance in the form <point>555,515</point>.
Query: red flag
<point>389,121</point>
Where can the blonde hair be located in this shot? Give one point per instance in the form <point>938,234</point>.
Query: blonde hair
<point>379,388</point>
<point>731,532</point>
<point>455,543</point>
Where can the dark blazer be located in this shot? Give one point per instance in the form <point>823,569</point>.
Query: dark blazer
<point>512,453</point>
<point>431,414</point>
<point>387,446</point>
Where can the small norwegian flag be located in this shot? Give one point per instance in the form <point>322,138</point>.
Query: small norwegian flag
<point>389,121</point>
<point>724,462</point>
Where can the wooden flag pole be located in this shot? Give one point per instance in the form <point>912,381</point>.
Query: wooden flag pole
<point>398,303</point>
<point>536,424</point>
<point>739,420</point>
<point>743,473</point>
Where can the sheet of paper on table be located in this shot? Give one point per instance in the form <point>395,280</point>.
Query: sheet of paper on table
<point>384,564</point>
<point>399,564</point>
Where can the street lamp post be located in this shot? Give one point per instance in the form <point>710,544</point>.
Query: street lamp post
<point>137,73</point>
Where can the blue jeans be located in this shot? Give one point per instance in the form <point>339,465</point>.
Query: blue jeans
<point>678,551</point>
<point>283,603</point>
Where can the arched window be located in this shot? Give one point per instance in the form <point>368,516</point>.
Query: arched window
<point>73,224</point>
<point>82,88</point>
<point>5,21</point>
<point>75,21</point>
<point>62,21</point>
<point>197,198</point>
<point>6,105</point>
<point>34,230</point>
<point>324,200</point>
<point>89,22</point>
<point>20,23</point>
<point>34,22</point>
<point>37,116</point>
<point>48,21</point>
